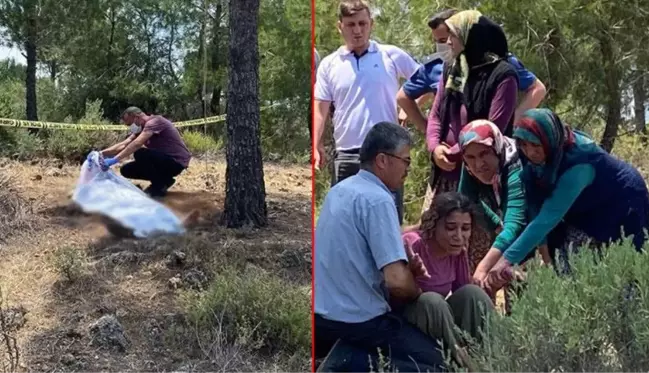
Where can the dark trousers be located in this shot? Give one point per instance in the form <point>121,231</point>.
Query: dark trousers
<point>311,122</point>
<point>401,344</point>
<point>156,167</point>
<point>347,163</point>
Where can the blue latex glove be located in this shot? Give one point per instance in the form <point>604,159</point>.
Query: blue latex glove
<point>108,162</point>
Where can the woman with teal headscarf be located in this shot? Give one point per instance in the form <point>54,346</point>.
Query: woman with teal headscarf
<point>575,190</point>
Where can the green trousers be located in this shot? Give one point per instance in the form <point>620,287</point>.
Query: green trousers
<point>437,316</point>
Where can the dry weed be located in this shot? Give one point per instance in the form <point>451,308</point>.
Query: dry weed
<point>16,213</point>
<point>9,351</point>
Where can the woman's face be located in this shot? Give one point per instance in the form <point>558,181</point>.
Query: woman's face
<point>533,152</point>
<point>452,233</point>
<point>482,161</point>
<point>455,43</point>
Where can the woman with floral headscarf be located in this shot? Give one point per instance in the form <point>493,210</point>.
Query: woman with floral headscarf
<point>479,84</point>
<point>441,246</point>
<point>576,192</point>
<point>491,177</point>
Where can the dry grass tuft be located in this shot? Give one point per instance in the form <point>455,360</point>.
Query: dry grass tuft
<point>16,213</point>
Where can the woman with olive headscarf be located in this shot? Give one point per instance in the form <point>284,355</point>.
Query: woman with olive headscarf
<point>576,192</point>
<point>479,84</point>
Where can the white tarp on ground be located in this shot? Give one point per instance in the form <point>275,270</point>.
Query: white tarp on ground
<point>106,193</point>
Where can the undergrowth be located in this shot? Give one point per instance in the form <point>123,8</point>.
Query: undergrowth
<point>256,310</point>
<point>593,320</point>
<point>16,213</point>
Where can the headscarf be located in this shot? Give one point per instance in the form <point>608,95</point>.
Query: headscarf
<point>484,132</point>
<point>484,43</point>
<point>543,127</point>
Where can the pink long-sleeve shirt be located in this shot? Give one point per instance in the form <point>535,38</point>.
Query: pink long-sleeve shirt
<point>502,109</point>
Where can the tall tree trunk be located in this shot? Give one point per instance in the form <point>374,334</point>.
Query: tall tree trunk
<point>53,70</point>
<point>201,50</point>
<point>613,92</point>
<point>245,192</point>
<point>639,99</point>
<point>217,59</point>
<point>31,110</point>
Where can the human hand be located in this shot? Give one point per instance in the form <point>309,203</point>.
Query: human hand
<point>440,158</point>
<point>479,278</point>
<point>319,157</point>
<point>108,162</point>
<point>499,275</point>
<point>416,264</point>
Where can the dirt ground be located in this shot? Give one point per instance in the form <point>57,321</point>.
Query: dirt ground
<point>131,278</point>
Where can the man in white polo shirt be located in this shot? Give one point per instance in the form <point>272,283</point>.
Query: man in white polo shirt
<point>361,79</point>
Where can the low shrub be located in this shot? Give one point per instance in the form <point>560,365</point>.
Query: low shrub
<point>200,143</point>
<point>592,320</point>
<point>255,309</point>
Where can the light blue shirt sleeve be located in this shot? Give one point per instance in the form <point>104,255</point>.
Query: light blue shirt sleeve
<point>566,191</point>
<point>383,233</point>
<point>525,77</point>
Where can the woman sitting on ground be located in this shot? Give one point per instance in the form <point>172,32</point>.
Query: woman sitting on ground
<point>575,191</point>
<point>491,178</point>
<point>441,244</point>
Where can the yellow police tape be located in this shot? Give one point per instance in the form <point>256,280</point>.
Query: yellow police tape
<point>19,123</point>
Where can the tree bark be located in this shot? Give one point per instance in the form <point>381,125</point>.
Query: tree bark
<point>245,193</point>
<point>199,89</point>
<point>53,70</point>
<point>612,77</point>
<point>217,59</point>
<point>639,99</point>
<point>31,110</point>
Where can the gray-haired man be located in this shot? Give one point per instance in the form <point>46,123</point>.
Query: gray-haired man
<point>159,151</point>
<point>361,265</point>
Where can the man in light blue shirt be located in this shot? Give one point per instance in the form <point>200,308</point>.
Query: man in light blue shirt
<point>361,264</point>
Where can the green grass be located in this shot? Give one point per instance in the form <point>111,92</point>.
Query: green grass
<point>255,309</point>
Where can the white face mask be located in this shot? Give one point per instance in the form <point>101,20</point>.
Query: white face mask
<point>444,51</point>
<point>135,129</point>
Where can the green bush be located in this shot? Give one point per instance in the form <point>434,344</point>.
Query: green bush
<point>593,320</point>
<point>255,309</point>
<point>199,143</point>
<point>70,263</point>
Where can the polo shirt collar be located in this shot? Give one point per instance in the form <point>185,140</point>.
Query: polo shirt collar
<point>372,48</point>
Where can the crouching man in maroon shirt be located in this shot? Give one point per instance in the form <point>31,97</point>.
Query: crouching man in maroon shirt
<point>159,151</point>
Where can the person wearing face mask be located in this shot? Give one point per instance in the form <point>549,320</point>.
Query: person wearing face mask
<point>159,152</point>
<point>423,84</point>
<point>479,84</point>
<point>441,242</point>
